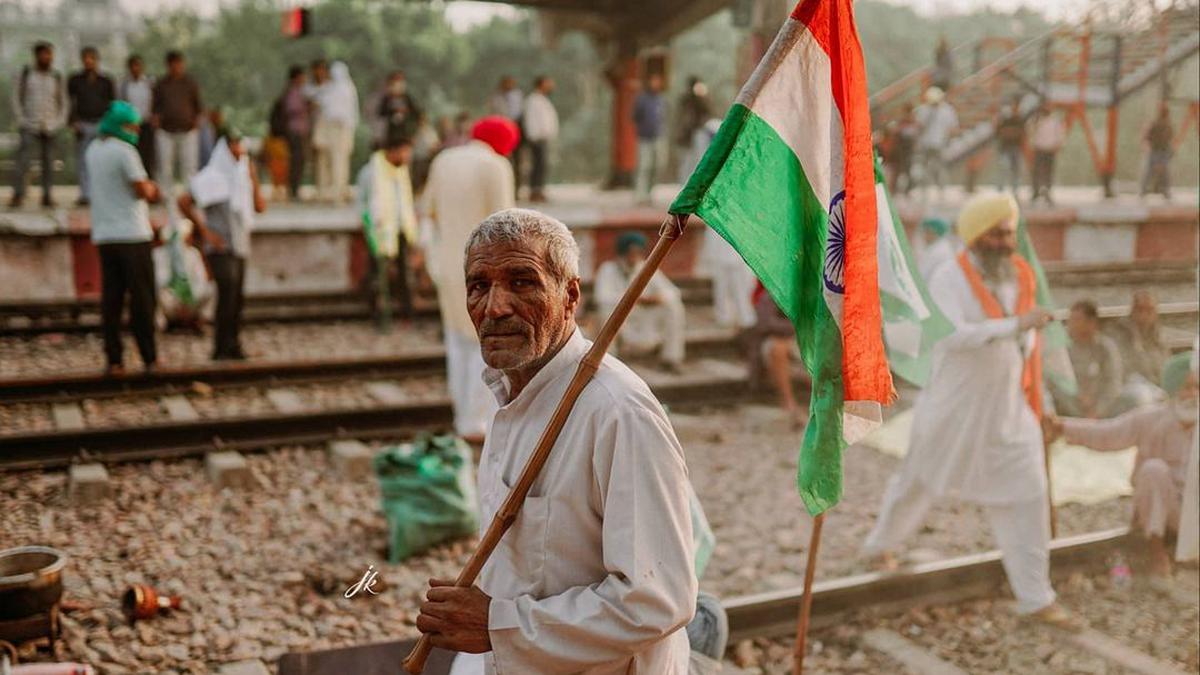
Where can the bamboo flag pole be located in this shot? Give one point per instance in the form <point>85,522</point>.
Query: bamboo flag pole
<point>810,568</point>
<point>1049,490</point>
<point>672,228</point>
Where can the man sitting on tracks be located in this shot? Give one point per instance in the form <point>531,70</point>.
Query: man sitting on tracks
<point>596,574</point>
<point>658,321</point>
<point>1163,434</point>
<point>976,431</point>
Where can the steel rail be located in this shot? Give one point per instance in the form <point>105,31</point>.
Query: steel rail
<point>170,440</point>
<point>941,582</point>
<point>431,361</point>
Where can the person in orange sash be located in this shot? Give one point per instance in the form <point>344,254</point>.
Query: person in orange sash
<point>976,432</point>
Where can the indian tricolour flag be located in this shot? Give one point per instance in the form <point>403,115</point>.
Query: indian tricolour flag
<point>789,181</point>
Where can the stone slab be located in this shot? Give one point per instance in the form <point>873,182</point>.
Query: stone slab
<point>67,416</point>
<point>387,393</point>
<point>251,667</point>
<point>87,483</point>
<point>227,469</point>
<point>350,458</point>
<point>908,653</point>
<point>286,401</point>
<point>179,409</point>
<point>1121,654</point>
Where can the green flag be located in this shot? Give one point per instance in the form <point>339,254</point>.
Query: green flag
<point>912,323</point>
<point>1056,361</point>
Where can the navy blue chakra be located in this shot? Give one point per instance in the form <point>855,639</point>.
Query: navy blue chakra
<point>835,246</point>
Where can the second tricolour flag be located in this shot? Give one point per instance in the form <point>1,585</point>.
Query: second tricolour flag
<point>789,181</point>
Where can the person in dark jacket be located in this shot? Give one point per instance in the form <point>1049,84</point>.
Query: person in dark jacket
<point>177,111</point>
<point>649,118</point>
<point>90,92</point>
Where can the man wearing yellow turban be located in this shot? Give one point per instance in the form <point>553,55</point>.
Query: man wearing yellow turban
<point>976,431</point>
<point>1163,434</point>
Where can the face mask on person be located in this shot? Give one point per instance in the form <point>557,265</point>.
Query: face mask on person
<point>1186,411</point>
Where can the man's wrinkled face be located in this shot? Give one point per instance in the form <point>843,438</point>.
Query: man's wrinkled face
<point>1000,241</point>
<point>520,310</point>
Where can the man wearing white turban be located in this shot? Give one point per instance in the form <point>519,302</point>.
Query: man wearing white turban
<point>976,432</point>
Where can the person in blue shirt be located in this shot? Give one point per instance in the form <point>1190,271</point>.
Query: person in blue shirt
<point>650,120</point>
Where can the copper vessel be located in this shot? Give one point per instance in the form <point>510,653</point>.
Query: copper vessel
<point>30,580</point>
<point>143,602</point>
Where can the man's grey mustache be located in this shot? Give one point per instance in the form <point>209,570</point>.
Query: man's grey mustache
<point>503,327</point>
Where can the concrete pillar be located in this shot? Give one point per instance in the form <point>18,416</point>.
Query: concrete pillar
<point>623,77</point>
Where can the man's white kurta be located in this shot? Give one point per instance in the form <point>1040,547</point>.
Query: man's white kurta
<point>596,575</point>
<point>974,435</point>
<point>466,184</point>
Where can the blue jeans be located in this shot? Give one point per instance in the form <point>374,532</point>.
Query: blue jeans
<point>708,631</point>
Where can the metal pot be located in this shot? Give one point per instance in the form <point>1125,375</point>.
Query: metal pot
<point>30,580</point>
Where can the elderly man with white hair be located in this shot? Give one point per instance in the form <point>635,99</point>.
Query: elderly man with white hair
<point>596,575</point>
<point>976,431</point>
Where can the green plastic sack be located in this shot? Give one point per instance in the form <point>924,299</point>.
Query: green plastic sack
<point>428,493</point>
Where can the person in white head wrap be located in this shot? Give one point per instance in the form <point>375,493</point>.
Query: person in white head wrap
<point>221,201</point>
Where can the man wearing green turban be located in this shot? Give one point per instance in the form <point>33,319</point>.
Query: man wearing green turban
<point>1163,435</point>
<point>121,231</point>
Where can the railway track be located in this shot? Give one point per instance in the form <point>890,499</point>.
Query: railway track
<point>81,316</point>
<point>709,382</point>
<point>882,613</point>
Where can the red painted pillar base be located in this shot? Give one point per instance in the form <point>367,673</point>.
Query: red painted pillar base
<point>624,80</point>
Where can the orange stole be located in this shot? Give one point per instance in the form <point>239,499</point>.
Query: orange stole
<point>1031,376</point>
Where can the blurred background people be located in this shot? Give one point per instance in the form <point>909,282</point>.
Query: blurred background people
<point>650,119</point>
<point>1049,135</point>
<point>467,183</point>
<point>90,92</point>
<point>396,112</point>
<point>693,114</point>
<point>540,130</point>
<point>333,134</point>
<point>1097,366</point>
<point>1163,434</point>
<point>40,107</point>
<point>1158,140</point>
<point>938,121</point>
<point>138,89</point>
<point>221,201</point>
<point>657,323</point>
<point>385,202</point>
<point>1143,351</point>
<point>1010,142</point>
<point>177,109</point>
<point>121,231</point>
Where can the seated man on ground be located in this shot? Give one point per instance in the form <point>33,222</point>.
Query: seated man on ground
<point>771,349</point>
<point>1097,367</point>
<point>1163,434</point>
<point>657,321</point>
<point>1143,352</point>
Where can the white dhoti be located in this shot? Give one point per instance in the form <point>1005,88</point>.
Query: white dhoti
<point>474,404</point>
<point>1021,531</point>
